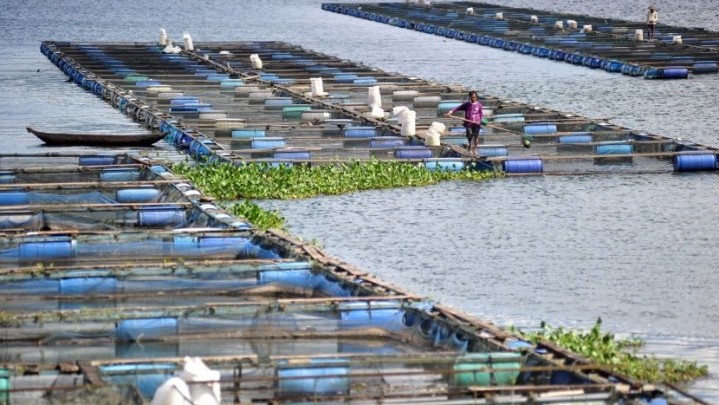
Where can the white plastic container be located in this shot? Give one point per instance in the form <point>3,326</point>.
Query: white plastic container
<point>639,35</point>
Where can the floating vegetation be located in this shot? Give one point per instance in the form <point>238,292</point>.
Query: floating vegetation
<point>618,354</point>
<point>263,181</point>
<point>259,217</point>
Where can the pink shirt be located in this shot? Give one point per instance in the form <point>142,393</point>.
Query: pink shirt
<point>472,112</point>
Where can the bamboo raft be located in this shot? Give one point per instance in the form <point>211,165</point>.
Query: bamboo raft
<point>214,106</point>
<point>615,46</point>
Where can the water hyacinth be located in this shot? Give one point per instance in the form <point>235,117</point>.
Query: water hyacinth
<point>618,354</point>
<point>263,181</point>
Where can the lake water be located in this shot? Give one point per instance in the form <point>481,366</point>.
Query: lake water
<point>637,250</point>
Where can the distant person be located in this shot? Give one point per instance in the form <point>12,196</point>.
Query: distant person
<point>472,119</point>
<point>652,18</point>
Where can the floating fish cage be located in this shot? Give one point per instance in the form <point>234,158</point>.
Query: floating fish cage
<point>303,107</point>
<point>615,46</point>
<point>97,308</point>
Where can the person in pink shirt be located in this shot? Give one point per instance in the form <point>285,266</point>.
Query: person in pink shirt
<point>472,119</point>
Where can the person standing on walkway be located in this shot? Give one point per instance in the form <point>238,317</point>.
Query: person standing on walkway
<point>472,119</point>
<point>652,18</point>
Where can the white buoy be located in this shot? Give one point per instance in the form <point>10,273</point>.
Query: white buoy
<point>163,37</point>
<point>559,25</point>
<point>499,16</point>
<point>187,39</point>
<point>587,29</point>
<point>204,383</point>
<point>572,24</point>
<point>256,61</point>
<point>639,35</point>
<point>470,10</point>
<point>677,40</point>
<point>172,392</point>
<point>534,19</point>
<point>316,88</point>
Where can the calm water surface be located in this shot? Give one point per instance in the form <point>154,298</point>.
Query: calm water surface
<point>636,250</point>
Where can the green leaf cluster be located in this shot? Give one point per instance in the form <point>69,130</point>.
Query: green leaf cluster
<point>259,217</point>
<point>263,181</point>
<point>618,354</point>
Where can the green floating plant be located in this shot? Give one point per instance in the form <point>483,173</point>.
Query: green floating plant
<point>259,217</point>
<point>263,181</point>
<point>618,354</point>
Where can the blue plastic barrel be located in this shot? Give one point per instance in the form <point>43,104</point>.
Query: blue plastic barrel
<point>147,83</point>
<point>324,377</point>
<point>229,84</point>
<point>359,132</point>
<point>302,278</point>
<point>217,241</point>
<point>5,386</point>
<point>185,100</point>
<point>694,161</point>
<point>345,77</point>
<point>160,216</point>
<point>540,128</point>
<point>120,174</point>
<point>491,150</point>
<point>705,67</point>
<point>675,73</point>
<point>386,142</point>
<point>268,142</point>
<point>292,154</point>
<point>613,148</point>
<point>579,137</point>
<point>512,117</point>
<point>7,177</point>
<point>365,81</point>
<point>146,329</point>
<point>96,160</point>
<point>87,285</point>
<point>248,133</point>
<point>444,106</point>
<point>276,103</point>
<point>384,314</point>
<point>523,164</point>
<point>447,164</point>
<point>137,195</point>
<point>47,249</point>
<point>13,198</point>
<point>413,152</point>
<point>217,77</point>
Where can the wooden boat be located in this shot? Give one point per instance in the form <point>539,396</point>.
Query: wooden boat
<point>96,139</point>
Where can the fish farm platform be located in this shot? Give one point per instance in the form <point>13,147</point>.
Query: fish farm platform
<point>615,46</point>
<point>122,282</point>
<point>116,273</point>
<point>291,105</point>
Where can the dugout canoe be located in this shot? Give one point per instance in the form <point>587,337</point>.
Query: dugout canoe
<point>96,139</point>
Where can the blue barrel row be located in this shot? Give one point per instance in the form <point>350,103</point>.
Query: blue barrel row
<point>96,87</point>
<point>576,58</point>
<point>76,75</point>
<point>43,249</point>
